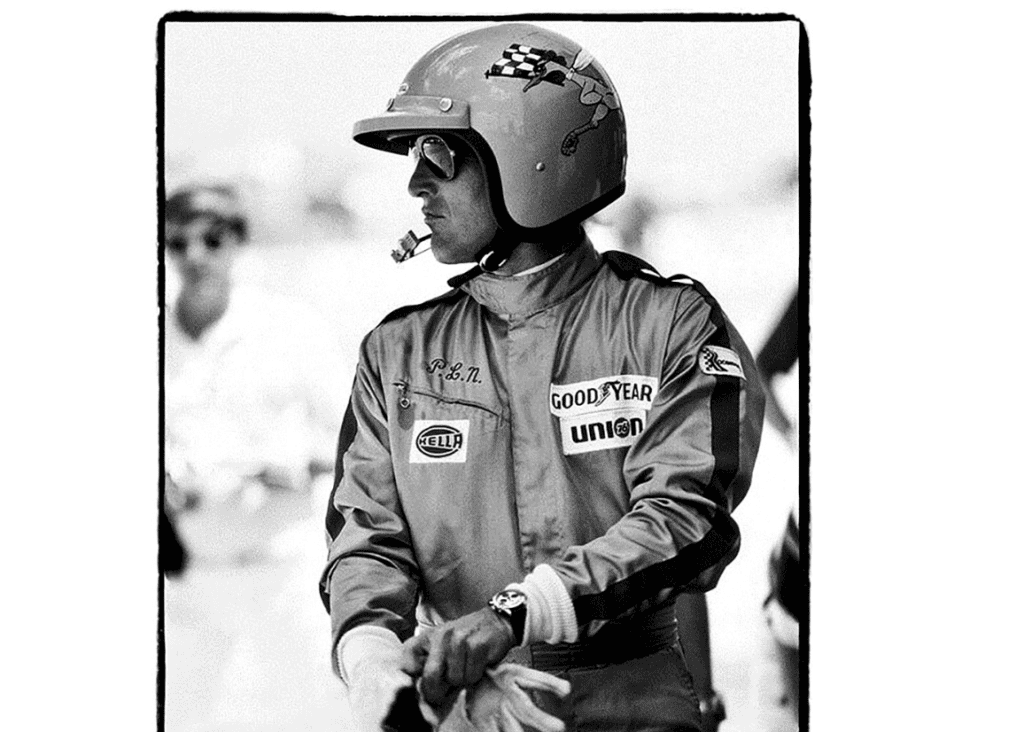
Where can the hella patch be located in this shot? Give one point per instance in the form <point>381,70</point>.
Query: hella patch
<point>439,441</point>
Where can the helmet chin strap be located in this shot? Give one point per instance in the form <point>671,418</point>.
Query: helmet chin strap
<point>489,259</point>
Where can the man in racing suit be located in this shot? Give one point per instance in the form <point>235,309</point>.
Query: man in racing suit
<point>533,465</point>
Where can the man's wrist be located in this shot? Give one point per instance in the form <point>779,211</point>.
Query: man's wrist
<point>510,606</point>
<point>551,617</point>
<point>506,623</point>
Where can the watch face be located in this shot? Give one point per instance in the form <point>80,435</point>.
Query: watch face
<point>508,599</point>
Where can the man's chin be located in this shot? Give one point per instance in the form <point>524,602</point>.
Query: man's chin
<point>445,257</point>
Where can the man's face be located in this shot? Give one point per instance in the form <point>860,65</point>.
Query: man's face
<point>203,251</point>
<point>457,211</point>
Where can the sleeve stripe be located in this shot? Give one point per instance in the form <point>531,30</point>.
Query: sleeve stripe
<point>725,413</point>
<point>725,431</point>
<point>718,543</point>
<point>348,433</point>
<point>722,540</point>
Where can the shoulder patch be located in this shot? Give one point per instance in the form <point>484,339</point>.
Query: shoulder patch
<point>720,361</point>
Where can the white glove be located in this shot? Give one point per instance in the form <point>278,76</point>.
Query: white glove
<point>372,692</point>
<point>369,660</point>
<point>498,702</point>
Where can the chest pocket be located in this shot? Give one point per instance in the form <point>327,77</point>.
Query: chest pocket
<point>440,430</point>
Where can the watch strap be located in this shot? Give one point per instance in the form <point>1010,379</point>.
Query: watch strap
<point>511,605</point>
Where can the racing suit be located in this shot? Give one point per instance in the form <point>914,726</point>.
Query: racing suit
<point>592,416</point>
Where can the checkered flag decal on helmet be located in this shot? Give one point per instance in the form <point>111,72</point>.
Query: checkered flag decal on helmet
<point>517,61</point>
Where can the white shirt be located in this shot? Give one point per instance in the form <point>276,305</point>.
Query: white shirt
<point>261,387</point>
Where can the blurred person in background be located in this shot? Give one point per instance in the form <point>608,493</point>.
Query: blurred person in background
<point>786,606</point>
<point>776,358</point>
<point>251,410</point>
<point>536,464</point>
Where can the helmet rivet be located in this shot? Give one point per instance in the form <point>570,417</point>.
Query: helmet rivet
<point>391,103</point>
<point>445,104</point>
<point>540,166</point>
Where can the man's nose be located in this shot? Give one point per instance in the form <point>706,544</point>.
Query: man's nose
<point>422,181</point>
<point>195,250</point>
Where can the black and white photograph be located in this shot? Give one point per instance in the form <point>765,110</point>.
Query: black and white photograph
<point>481,373</point>
<point>300,433</point>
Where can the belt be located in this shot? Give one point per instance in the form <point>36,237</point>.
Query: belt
<point>615,642</point>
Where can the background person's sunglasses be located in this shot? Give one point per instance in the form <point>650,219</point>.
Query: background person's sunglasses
<point>212,240</point>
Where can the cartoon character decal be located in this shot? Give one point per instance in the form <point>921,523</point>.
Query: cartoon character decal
<point>539,64</point>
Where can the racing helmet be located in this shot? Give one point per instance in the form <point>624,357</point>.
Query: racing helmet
<point>538,110</point>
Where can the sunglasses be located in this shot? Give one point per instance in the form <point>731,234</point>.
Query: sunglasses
<point>440,158</point>
<point>212,240</point>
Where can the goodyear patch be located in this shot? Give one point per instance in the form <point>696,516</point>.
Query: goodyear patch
<point>625,391</point>
<point>719,361</point>
<point>439,441</point>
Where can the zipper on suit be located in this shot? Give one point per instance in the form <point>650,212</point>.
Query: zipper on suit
<point>403,394</point>
<point>404,390</point>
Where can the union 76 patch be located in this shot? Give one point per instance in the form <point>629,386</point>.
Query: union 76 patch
<point>719,361</point>
<point>601,430</point>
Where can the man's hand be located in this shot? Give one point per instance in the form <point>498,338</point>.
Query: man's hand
<point>456,655</point>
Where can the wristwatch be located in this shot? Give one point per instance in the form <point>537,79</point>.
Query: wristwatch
<point>511,605</point>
